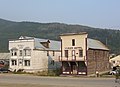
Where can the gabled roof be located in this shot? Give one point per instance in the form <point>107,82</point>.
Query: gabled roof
<point>56,45</point>
<point>25,37</point>
<point>115,58</point>
<point>95,44</point>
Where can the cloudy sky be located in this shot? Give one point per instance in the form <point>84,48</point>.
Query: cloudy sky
<point>93,13</point>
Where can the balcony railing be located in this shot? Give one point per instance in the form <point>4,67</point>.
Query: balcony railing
<point>71,58</point>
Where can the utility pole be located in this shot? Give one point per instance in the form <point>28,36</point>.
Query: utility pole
<point>106,42</point>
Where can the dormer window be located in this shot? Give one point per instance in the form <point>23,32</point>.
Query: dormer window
<point>45,44</point>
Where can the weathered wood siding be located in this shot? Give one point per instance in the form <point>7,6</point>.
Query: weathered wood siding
<point>97,60</point>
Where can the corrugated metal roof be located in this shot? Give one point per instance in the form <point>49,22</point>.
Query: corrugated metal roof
<point>54,45</point>
<point>5,55</point>
<point>95,44</point>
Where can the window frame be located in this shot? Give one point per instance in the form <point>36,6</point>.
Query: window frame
<point>26,62</point>
<point>27,52</point>
<point>81,53</point>
<point>20,52</point>
<point>66,53</point>
<point>13,52</point>
<point>73,42</point>
<point>13,62</point>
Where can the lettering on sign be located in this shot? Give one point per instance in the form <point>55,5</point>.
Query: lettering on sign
<point>77,47</point>
<point>73,47</point>
<point>20,46</point>
<point>68,47</point>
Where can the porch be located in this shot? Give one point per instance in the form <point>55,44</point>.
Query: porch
<point>74,68</point>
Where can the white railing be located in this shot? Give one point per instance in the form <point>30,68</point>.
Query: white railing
<point>72,58</point>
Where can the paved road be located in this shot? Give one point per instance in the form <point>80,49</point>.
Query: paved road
<point>54,81</point>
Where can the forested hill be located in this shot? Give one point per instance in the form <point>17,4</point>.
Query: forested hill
<point>12,30</point>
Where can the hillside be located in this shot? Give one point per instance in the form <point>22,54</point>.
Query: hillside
<point>12,30</point>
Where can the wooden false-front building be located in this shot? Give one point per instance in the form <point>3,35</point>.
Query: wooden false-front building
<point>81,55</point>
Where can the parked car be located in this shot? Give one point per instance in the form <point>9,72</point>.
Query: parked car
<point>112,72</point>
<point>4,70</point>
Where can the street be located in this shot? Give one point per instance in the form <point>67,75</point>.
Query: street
<point>15,80</point>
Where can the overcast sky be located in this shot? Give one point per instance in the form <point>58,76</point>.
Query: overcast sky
<point>93,13</point>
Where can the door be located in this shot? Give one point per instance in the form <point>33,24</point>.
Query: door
<point>20,62</point>
<point>74,69</point>
<point>73,54</point>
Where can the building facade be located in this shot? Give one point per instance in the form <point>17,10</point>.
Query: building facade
<point>81,55</point>
<point>33,54</point>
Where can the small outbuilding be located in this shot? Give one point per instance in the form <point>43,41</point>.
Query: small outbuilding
<point>4,60</point>
<point>115,61</point>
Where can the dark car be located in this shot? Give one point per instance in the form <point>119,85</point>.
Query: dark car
<point>4,70</point>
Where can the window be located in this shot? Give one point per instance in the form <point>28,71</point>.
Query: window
<point>52,62</point>
<point>73,42</point>
<point>47,53</point>
<point>66,53</point>
<point>20,54</point>
<point>113,61</point>
<point>53,53</point>
<point>14,62</point>
<point>27,62</point>
<point>27,52</point>
<point>13,52</point>
<point>80,53</point>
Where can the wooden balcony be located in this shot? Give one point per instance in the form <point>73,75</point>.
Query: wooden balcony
<point>72,58</point>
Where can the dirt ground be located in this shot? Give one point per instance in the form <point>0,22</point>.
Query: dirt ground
<point>27,85</point>
<point>13,80</point>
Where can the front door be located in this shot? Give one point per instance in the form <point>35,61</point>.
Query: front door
<point>73,68</point>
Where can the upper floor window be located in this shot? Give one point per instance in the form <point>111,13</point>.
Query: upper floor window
<point>73,42</point>
<point>80,53</point>
<point>14,52</point>
<point>53,53</point>
<point>20,53</point>
<point>66,53</point>
<point>47,53</point>
<point>27,52</point>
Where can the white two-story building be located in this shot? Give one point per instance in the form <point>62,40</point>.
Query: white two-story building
<point>33,54</point>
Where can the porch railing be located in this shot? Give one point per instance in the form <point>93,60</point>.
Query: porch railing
<point>71,58</point>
